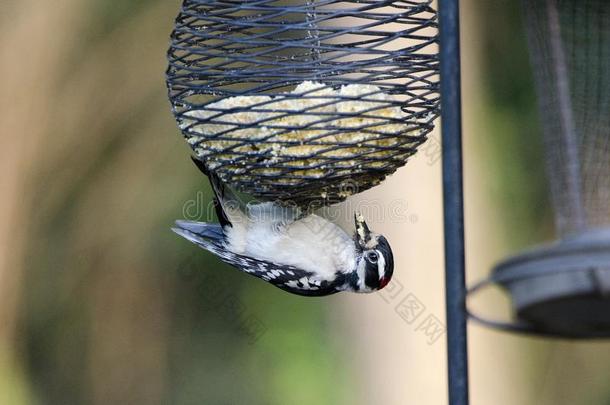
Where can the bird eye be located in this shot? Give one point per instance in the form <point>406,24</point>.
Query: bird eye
<point>372,257</point>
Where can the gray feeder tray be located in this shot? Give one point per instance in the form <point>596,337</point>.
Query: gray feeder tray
<point>559,290</point>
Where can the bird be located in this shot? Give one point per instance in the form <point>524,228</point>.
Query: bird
<point>303,254</point>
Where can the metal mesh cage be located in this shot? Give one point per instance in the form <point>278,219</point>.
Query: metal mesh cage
<point>308,101</point>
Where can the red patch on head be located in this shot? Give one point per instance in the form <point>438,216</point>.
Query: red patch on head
<point>383,282</point>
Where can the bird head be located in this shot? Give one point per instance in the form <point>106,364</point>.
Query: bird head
<point>375,259</point>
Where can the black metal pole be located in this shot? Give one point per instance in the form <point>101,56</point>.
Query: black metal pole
<point>451,124</point>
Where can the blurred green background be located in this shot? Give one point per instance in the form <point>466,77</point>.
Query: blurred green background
<point>100,303</point>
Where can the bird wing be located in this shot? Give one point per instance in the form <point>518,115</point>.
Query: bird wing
<point>229,207</point>
<point>288,278</point>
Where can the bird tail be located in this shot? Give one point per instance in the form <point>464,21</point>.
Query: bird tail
<point>200,233</point>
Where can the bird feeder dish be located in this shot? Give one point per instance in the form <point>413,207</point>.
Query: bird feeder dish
<point>562,289</point>
<point>305,102</point>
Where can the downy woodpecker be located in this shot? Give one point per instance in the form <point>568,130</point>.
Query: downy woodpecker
<point>304,255</point>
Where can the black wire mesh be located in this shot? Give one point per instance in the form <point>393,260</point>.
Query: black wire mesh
<point>308,101</point>
<point>570,50</point>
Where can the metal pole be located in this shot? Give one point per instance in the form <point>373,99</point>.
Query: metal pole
<point>451,124</point>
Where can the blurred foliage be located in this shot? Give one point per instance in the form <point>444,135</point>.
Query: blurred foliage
<point>511,114</point>
<point>117,308</point>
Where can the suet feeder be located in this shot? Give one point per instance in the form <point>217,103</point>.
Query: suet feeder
<point>563,289</point>
<point>305,102</point>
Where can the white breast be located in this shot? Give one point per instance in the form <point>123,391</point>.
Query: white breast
<point>312,243</point>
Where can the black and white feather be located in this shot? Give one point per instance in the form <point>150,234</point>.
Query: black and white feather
<point>304,255</point>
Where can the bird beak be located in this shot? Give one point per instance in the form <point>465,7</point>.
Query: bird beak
<point>363,233</point>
